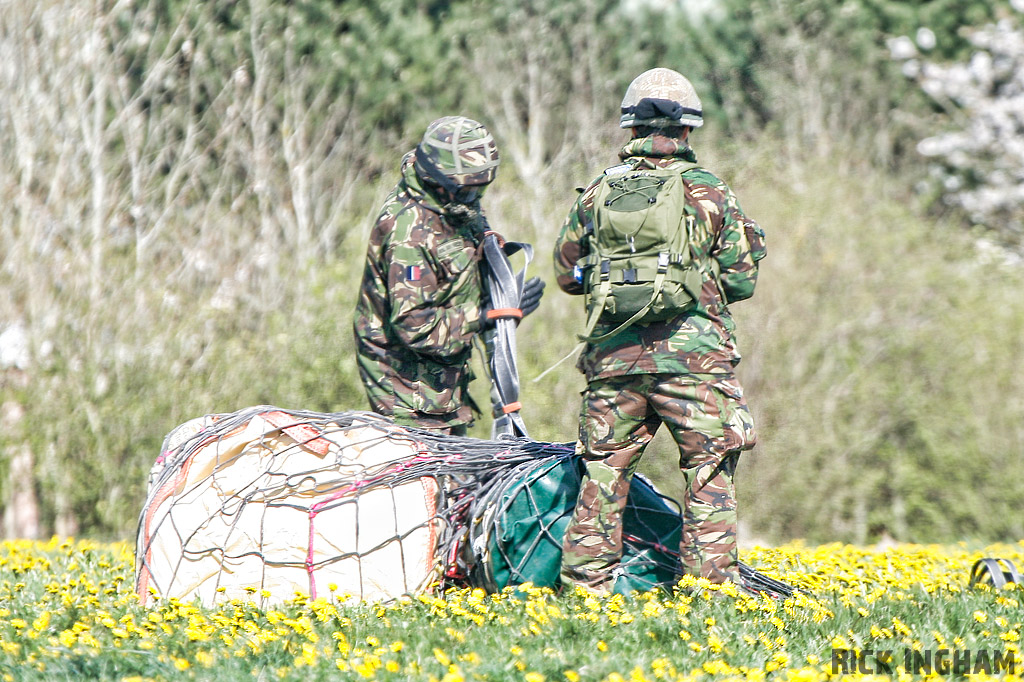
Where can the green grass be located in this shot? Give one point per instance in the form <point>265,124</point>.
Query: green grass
<point>67,611</point>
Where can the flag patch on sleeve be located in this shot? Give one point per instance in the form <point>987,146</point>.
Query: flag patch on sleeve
<point>413,273</point>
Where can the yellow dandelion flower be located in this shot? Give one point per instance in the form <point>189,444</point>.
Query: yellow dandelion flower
<point>41,623</point>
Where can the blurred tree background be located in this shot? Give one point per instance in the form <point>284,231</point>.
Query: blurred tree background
<point>186,188</point>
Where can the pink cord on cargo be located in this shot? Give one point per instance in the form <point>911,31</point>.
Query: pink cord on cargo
<point>312,515</point>
<point>422,455</point>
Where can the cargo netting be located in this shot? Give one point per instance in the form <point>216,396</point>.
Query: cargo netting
<point>266,503</point>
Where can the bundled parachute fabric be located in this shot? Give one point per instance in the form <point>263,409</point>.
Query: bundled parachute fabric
<point>518,530</point>
<point>265,503</point>
<point>519,538</point>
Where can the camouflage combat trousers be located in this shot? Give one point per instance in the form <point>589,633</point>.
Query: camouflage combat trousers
<point>709,421</point>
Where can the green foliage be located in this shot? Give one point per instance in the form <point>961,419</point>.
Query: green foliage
<point>884,345</point>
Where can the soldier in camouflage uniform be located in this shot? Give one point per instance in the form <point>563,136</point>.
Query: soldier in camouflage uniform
<point>678,372</point>
<point>422,300</point>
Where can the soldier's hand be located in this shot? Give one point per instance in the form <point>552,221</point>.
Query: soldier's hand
<point>532,292</point>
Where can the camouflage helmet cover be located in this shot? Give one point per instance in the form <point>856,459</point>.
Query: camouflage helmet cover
<point>460,149</point>
<point>649,93</point>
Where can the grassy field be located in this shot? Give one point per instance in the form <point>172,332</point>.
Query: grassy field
<point>67,611</point>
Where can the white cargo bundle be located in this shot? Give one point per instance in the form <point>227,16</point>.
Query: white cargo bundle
<point>265,504</point>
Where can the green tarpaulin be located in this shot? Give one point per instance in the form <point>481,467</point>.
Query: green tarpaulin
<point>525,539</point>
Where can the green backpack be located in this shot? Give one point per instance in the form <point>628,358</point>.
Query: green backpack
<point>640,265</point>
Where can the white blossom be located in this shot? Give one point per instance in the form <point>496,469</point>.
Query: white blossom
<point>14,347</point>
<point>925,38</point>
<point>980,166</point>
<point>901,48</point>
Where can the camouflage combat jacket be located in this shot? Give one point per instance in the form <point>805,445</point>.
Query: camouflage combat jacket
<point>702,341</point>
<point>419,309</point>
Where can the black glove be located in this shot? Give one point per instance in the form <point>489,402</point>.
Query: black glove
<point>532,291</point>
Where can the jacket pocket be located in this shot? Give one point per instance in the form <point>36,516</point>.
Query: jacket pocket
<point>440,389</point>
<point>454,264</point>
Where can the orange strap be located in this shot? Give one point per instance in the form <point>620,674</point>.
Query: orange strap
<point>304,434</point>
<point>501,240</point>
<point>512,407</point>
<point>504,313</point>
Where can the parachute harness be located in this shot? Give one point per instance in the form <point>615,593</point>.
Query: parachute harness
<point>505,288</point>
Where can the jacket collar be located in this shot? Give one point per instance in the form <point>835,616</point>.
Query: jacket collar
<point>657,150</point>
<point>414,187</point>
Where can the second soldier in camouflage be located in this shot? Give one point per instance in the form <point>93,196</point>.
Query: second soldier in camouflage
<point>677,372</point>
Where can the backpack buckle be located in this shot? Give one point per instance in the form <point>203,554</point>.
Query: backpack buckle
<point>606,269</point>
<point>629,276</point>
<point>662,261</point>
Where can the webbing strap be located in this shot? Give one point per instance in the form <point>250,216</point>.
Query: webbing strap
<point>628,275</point>
<point>659,282</point>
<point>506,291</point>
<point>999,573</point>
<point>596,258</point>
<point>597,307</point>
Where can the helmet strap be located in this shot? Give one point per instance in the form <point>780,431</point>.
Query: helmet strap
<point>434,173</point>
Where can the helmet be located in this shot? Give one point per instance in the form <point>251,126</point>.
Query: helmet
<point>457,151</point>
<point>661,98</point>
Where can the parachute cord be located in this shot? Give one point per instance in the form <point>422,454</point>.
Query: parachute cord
<point>309,554</point>
<point>543,374</point>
